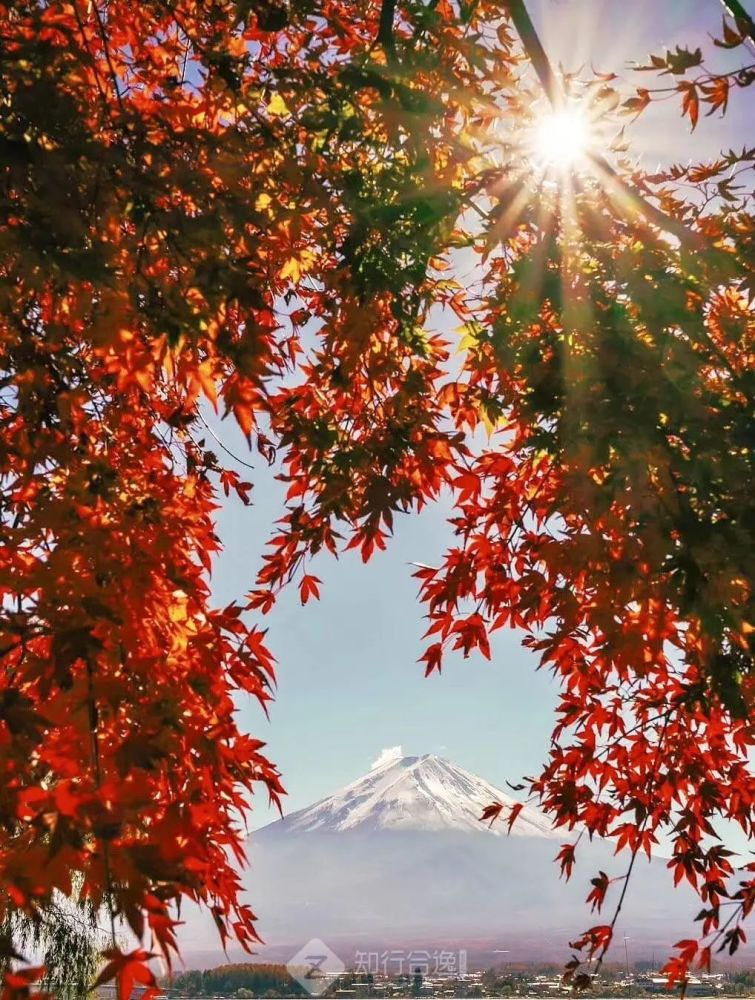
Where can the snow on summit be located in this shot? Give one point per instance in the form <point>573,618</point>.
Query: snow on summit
<point>415,793</point>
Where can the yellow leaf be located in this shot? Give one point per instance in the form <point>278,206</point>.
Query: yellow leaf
<point>296,266</point>
<point>206,376</point>
<point>470,336</point>
<point>277,108</point>
<point>262,202</point>
<point>291,269</point>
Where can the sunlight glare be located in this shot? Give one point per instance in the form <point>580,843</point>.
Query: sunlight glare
<point>561,138</point>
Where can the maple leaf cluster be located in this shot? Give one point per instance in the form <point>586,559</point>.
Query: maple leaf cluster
<point>264,207</point>
<point>131,284</point>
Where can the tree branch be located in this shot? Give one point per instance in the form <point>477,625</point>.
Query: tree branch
<point>385,30</point>
<point>530,39</point>
<point>533,47</point>
<point>743,20</point>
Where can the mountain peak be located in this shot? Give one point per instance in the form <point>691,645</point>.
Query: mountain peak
<point>424,792</point>
<point>408,761</point>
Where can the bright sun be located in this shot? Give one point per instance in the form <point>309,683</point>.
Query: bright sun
<point>561,138</point>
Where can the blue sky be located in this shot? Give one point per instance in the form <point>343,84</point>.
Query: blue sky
<point>349,683</point>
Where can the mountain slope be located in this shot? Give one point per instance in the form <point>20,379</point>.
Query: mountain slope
<point>399,858</point>
<point>414,793</point>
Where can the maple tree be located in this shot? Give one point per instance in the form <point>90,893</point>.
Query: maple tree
<point>263,205</point>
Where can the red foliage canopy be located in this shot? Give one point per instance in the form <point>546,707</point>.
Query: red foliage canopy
<point>266,204</point>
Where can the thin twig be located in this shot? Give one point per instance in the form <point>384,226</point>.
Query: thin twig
<point>637,848</point>
<point>227,450</point>
<point>108,59</point>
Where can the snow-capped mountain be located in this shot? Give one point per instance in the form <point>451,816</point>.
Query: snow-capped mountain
<point>400,857</point>
<point>415,793</point>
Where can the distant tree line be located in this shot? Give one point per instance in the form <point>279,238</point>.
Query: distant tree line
<point>258,978</point>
